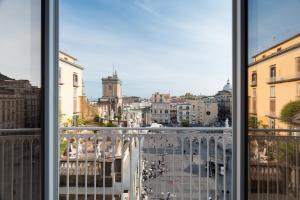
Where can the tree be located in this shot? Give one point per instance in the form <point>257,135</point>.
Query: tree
<point>290,112</point>
<point>253,123</point>
<point>185,124</point>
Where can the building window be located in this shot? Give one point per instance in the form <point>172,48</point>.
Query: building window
<point>272,91</point>
<point>298,89</point>
<point>75,92</point>
<point>249,103</point>
<point>75,80</point>
<point>298,65</point>
<point>59,91</point>
<point>254,104</point>
<point>271,123</point>
<point>254,100</point>
<point>74,105</point>
<point>254,92</point>
<point>110,87</point>
<point>254,78</point>
<point>59,75</point>
<point>273,73</point>
<point>272,107</point>
<point>75,100</point>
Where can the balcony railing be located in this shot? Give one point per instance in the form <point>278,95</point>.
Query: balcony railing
<point>283,79</point>
<point>274,164</point>
<point>20,163</point>
<point>151,163</point>
<point>145,163</point>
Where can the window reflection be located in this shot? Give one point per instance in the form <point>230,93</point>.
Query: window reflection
<point>20,100</point>
<point>274,106</point>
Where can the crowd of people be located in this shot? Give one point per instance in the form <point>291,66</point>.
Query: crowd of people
<point>154,170</point>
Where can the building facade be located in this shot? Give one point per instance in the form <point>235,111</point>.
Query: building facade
<point>274,81</point>
<point>19,103</point>
<point>70,87</point>
<point>185,114</point>
<point>160,108</point>
<point>88,111</point>
<point>224,100</point>
<point>111,99</point>
<point>207,111</point>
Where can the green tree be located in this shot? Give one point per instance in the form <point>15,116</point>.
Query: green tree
<point>185,124</point>
<point>290,112</point>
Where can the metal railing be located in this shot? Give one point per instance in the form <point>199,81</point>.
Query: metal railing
<point>286,78</point>
<point>273,166</point>
<point>145,163</point>
<point>20,164</point>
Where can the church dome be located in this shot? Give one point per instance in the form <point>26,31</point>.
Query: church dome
<point>227,87</point>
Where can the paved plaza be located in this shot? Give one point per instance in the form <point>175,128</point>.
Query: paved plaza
<point>185,174</point>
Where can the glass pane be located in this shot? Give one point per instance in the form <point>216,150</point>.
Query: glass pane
<point>20,100</point>
<point>274,116</point>
<point>139,65</point>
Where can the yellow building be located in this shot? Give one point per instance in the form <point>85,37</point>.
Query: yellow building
<point>274,81</point>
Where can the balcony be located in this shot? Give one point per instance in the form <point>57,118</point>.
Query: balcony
<point>153,163</point>
<point>145,163</point>
<point>273,165</point>
<point>284,79</point>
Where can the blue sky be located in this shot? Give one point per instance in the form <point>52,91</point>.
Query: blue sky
<point>20,48</point>
<point>171,46</point>
<point>271,22</point>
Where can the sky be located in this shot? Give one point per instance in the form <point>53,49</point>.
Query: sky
<point>271,22</point>
<point>168,46</point>
<point>20,40</point>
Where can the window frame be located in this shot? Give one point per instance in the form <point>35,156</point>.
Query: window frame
<point>254,82</point>
<point>272,91</point>
<point>298,89</point>
<point>273,72</point>
<point>239,94</point>
<point>240,99</point>
<point>297,65</point>
<point>49,59</point>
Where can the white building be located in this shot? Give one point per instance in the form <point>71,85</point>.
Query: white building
<point>185,113</point>
<point>133,117</point>
<point>70,86</point>
<point>160,108</point>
